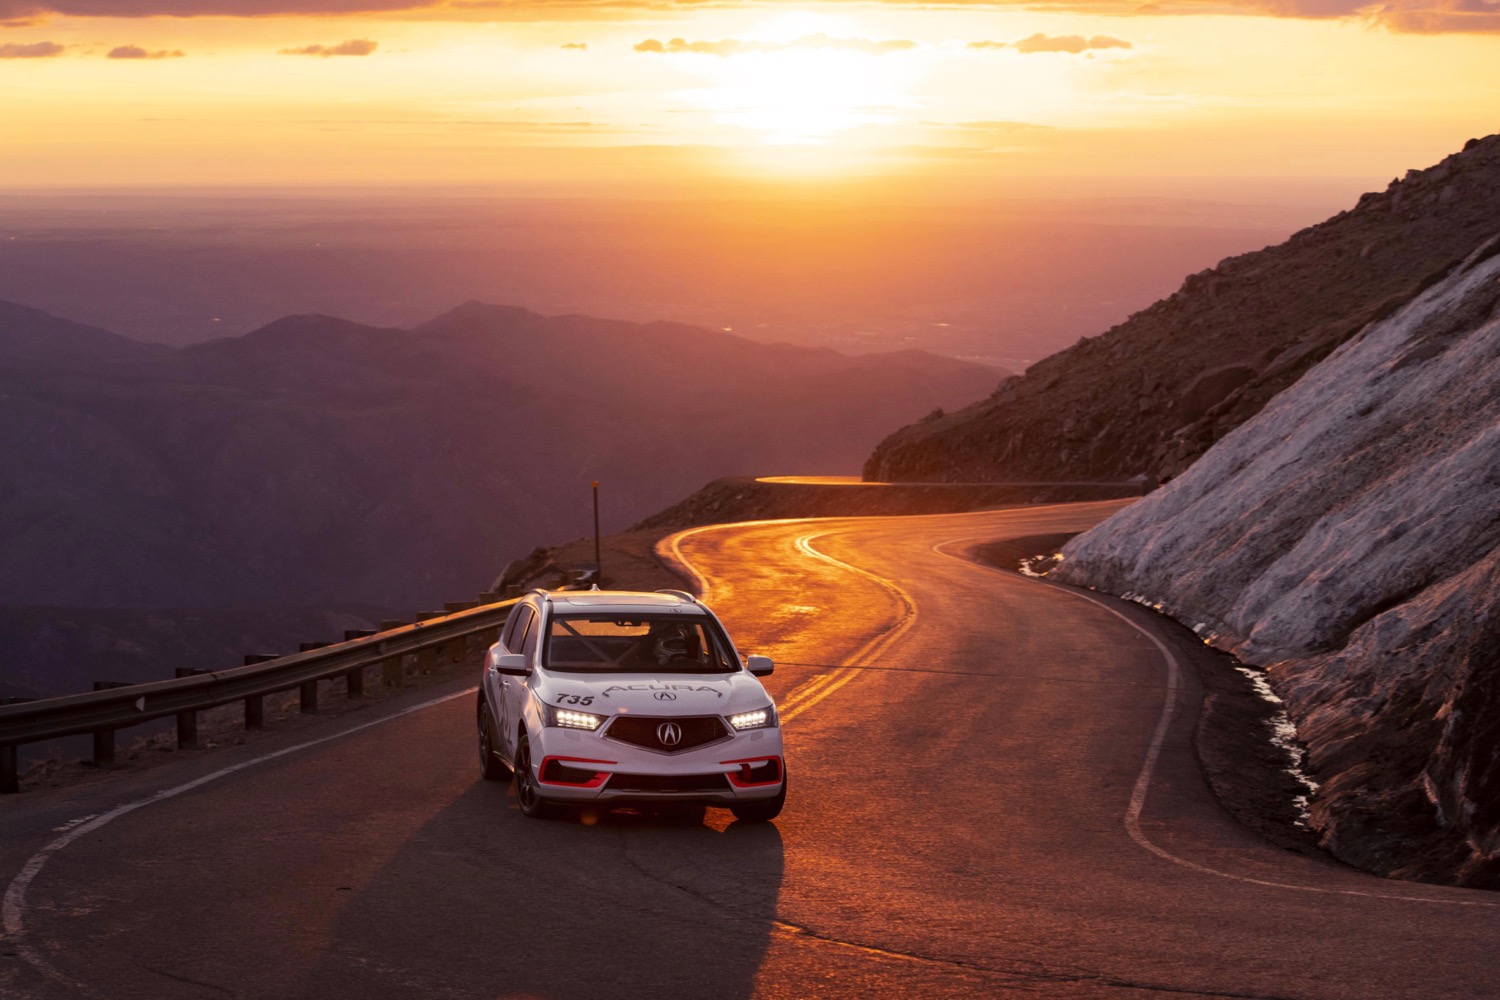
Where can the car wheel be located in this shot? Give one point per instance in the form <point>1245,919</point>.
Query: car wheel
<point>763,810</point>
<point>528,795</point>
<point>491,767</point>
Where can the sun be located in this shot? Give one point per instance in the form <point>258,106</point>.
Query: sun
<point>802,79</point>
<point>797,95</point>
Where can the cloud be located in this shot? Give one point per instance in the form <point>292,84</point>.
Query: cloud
<point>1400,16</point>
<point>352,47</point>
<point>1069,43</point>
<point>1427,17</point>
<point>1417,16</point>
<point>737,46</point>
<point>580,46</point>
<point>136,52</point>
<point>1072,44</point>
<point>29,10</point>
<point>35,50</point>
<point>1434,21</point>
<point>993,127</point>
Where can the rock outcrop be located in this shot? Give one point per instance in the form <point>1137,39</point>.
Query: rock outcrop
<point>1152,394</point>
<point>1347,538</point>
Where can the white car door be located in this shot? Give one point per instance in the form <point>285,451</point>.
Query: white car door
<point>518,689</point>
<point>497,685</point>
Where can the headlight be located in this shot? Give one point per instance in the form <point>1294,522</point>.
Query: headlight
<point>761,718</point>
<point>569,719</point>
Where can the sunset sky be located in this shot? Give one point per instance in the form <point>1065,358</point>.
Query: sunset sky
<point>646,97</point>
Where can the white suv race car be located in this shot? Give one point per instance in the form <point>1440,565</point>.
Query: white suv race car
<point>617,698</point>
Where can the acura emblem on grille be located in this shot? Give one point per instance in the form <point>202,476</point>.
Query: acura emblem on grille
<point>669,733</point>
<point>665,696</point>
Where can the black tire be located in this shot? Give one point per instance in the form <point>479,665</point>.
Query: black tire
<point>491,767</point>
<point>528,795</point>
<point>764,810</point>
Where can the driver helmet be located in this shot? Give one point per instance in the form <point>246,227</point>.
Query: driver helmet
<point>670,641</point>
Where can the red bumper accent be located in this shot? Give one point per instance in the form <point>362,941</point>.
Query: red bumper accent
<point>744,778</point>
<point>599,778</point>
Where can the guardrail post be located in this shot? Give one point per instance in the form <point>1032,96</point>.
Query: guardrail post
<point>392,672</point>
<point>187,722</point>
<point>104,747</point>
<point>310,688</point>
<point>10,775</point>
<point>390,668</point>
<point>255,705</point>
<point>104,739</point>
<point>355,679</point>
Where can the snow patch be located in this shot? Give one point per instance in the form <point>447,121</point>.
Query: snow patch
<point>1284,738</point>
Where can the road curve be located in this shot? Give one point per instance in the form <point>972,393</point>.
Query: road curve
<point>992,791</point>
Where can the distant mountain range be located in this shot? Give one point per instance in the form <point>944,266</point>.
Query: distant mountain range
<point>1153,393</point>
<point>321,462</point>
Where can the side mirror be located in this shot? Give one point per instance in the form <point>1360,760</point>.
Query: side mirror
<point>511,663</point>
<point>760,666</point>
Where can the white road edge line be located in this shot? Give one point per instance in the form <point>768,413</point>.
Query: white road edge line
<point>13,908</point>
<point>1148,767</point>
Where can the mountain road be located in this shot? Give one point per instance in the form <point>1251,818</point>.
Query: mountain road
<point>993,791</point>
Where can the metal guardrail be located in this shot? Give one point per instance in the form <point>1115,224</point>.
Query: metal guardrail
<point>101,712</point>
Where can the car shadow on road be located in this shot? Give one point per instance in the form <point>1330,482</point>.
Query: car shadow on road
<point>483,902</point>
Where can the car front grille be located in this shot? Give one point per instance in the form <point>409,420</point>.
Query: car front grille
<point>642,731</point>
<point>667,783</point>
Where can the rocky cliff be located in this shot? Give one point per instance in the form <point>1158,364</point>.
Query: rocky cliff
<point>1347,537</point>
<point>1153,393</point>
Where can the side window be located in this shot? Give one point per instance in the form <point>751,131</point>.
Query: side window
<point>508,633</point>
<point>719,648</point>
<point>519,629</point>
<point>529,640</point>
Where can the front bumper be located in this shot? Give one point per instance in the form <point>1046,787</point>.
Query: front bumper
<point>584,767</point>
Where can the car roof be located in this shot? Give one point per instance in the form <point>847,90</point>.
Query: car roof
<point>629,601</point>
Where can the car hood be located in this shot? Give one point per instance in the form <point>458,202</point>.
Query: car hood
<point>654,694</point>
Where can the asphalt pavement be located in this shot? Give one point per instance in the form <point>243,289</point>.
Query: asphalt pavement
<point>992,792</point>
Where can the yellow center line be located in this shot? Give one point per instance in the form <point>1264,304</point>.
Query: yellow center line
<point>807,689</point>
<point>810,692</point>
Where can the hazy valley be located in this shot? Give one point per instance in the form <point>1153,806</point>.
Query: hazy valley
<point>1006,281</point>
<point>322,463</point>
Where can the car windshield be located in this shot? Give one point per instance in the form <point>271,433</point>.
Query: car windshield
<point>644,644</point>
